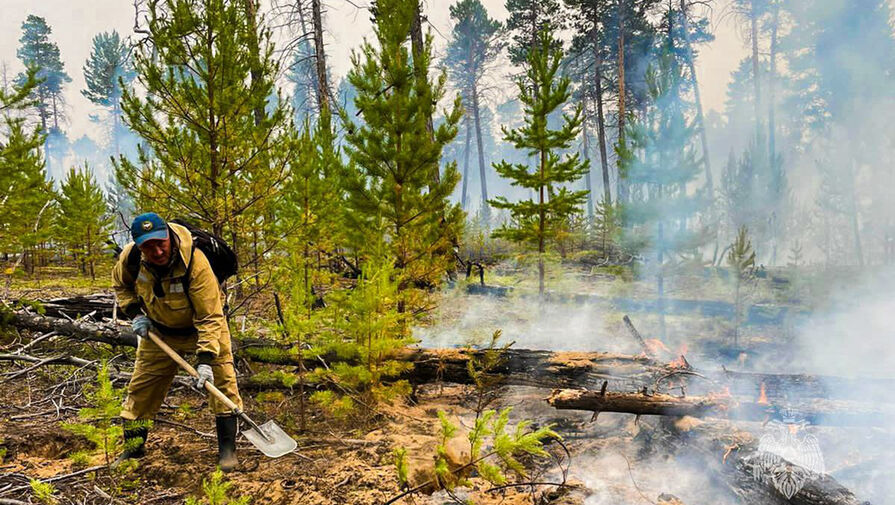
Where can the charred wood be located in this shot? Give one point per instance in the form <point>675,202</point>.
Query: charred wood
<point>815,412</point>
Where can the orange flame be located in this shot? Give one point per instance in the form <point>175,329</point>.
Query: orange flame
<point>681,360</point>
<point>762,396</point>
<point>655,345</point>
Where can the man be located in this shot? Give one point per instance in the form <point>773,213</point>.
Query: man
<point>174,294</point>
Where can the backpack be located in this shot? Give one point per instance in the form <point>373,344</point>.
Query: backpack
<point>220,256</point>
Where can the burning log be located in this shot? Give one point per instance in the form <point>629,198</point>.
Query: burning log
<point>722,406</point>
<point>741,461</point>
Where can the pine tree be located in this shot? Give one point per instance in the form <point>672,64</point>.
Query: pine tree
<point>542,91</point>
<point>741,258</point>
<point>661,165</point>
<point>392,154</point>
<point>38,51</point>
<point>473,47</point>
<point>82,222</point>
<point>24,188</point>
<point>108,68</point>
<point>208,156</point>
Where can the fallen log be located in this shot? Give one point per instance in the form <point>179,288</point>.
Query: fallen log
<point>85,331</point>
<point>519,367</point>
<point>719,406</point>
<point>737,459</point>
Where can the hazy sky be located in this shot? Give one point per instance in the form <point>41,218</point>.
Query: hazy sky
<point>75,22</point>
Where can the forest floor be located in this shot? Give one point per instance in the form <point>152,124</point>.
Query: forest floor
<point>353,462</point>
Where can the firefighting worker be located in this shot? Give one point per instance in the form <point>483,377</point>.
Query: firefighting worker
<point>172,291</point>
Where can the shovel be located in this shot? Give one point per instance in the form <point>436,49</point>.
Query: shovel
<point>268,438</point>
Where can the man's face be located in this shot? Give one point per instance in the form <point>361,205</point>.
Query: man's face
<point>157,252</point>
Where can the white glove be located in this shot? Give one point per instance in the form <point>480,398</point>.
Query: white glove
<point>205,374</point>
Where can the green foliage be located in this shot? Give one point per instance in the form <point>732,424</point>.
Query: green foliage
<point>741,259</point>
<point>108,67</point>
<point>79,459</point>
<point>537,222</point>
<point>217,139</point>
<point>43,491</point>
<point>82,222</point>
<point>401,467</point>
<point>22,175</point>
<point>216,491</point>
<point>365,329</point>
<point>482,372</point>
<point>741,256</point>
<point>661,163</point>
<point>108,62</point>
<point>607,224</point>
<point>395,194</point>
<point>505,446</point>
<point>38,52</point>
<point>99,421</point>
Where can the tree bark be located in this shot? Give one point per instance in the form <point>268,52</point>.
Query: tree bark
<point>700,118</point>
<point>756,78</point>
<point>323,93</point>
<point>601,123</point>
<point>621,192</point>
<point>586,157</point>
<point>481,151</point>
<point>816,413</point>
<point>466,163</point>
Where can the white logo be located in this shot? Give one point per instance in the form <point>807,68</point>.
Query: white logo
<point>788,456</point>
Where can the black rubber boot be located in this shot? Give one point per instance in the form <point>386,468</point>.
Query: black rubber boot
<point>226,428</point>
<point>134,444</point>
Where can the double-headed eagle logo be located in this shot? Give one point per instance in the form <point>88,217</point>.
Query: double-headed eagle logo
<point>788,456</point>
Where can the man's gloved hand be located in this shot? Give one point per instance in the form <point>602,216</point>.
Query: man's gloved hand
<point>205,374</point>
<point>141,326</point>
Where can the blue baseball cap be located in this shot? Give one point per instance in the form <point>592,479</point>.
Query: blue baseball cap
<point>148,226</point>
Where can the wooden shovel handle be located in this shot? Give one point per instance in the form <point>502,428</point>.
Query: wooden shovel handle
<point>209,386</point>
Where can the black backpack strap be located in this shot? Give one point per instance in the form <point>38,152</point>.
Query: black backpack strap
<point>132,265</point>
<point>187,275</point>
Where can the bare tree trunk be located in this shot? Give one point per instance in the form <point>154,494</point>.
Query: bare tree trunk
<point>586,156</point>
<point>700,118</point>
<point>466,163</point>
<point>542,217</point>
<point>756,78</point>
<point>481,150</point>
<point>251,11</point>
<point>621,192</point>
<point>320,56</point>
<point>601,124</point>
<point>416,46</point>
<point>859,250</point>
<point>772,134</point>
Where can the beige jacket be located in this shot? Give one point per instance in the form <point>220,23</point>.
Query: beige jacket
<point>201,308</point>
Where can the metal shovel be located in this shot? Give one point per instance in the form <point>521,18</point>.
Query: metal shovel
<point>268,438</point>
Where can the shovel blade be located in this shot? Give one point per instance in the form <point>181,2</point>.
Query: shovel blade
<point>273,442</point>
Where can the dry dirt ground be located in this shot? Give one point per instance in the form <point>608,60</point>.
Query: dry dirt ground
<point>335,464</point>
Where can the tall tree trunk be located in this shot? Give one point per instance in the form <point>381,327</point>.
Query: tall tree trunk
<point>542,218</point>
<point>756,78</point>
<point>466,162</point>
<point>772,134</point>
<point>481,151</point>
<point>251,11</point>
<point>856,229</point>
<point>320,57</point>
<point>700,118</point>
<point>601,123</point>
<point>586,156</point>
<point>416,46</point>
<point>621,190</point>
